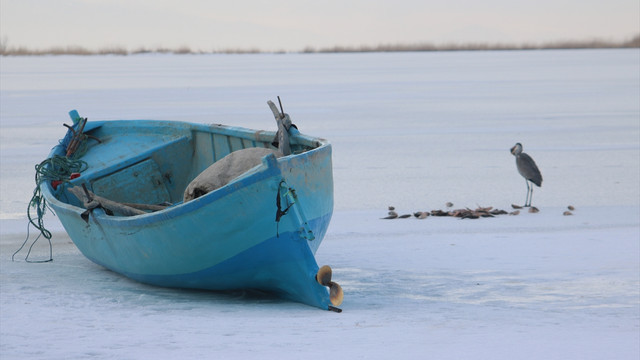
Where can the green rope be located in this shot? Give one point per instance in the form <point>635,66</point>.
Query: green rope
<point>54,168</point>
<point>58,168</point>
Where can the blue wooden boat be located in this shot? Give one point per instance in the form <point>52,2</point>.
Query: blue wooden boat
<point>260,231</point>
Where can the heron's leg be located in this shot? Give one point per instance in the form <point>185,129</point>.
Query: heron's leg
<point>526,201</point>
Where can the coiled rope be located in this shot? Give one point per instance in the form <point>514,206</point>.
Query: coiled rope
<point>56,168</point>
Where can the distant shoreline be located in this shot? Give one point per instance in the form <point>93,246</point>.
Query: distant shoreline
<point>6,50</point>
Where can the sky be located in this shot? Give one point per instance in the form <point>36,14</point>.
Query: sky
<point>292,25</point>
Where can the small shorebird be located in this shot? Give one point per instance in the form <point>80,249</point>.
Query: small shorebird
<point>528,169</point>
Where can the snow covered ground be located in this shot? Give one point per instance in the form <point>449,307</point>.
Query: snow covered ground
<point>413,130</point>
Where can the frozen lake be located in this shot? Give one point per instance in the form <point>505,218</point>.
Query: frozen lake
<point>413,130</point>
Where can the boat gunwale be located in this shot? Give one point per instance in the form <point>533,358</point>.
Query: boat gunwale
<point>214,128</point>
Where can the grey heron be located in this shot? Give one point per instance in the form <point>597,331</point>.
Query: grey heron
<point>528,169</point>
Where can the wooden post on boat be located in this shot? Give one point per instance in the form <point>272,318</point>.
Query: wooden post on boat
<point>284,123</point>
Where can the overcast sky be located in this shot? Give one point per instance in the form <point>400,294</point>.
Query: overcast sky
<point>295,24</point>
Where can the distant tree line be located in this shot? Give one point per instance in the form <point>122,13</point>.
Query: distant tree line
<point>6,50</point>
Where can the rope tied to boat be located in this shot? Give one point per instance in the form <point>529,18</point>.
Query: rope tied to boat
<point>58,171</point>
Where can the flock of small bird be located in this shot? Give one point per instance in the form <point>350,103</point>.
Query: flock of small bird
<point>466,213</point>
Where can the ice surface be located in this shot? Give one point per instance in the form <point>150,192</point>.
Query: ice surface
<point>413,130</point>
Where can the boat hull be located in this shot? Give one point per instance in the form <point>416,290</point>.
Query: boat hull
<point>226,239</point>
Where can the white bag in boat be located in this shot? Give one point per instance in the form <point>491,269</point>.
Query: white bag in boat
<point>225,170</point>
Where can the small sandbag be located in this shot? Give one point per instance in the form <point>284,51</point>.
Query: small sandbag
<point>225,170</point>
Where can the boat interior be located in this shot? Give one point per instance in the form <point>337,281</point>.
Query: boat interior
<point>152,162</point>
